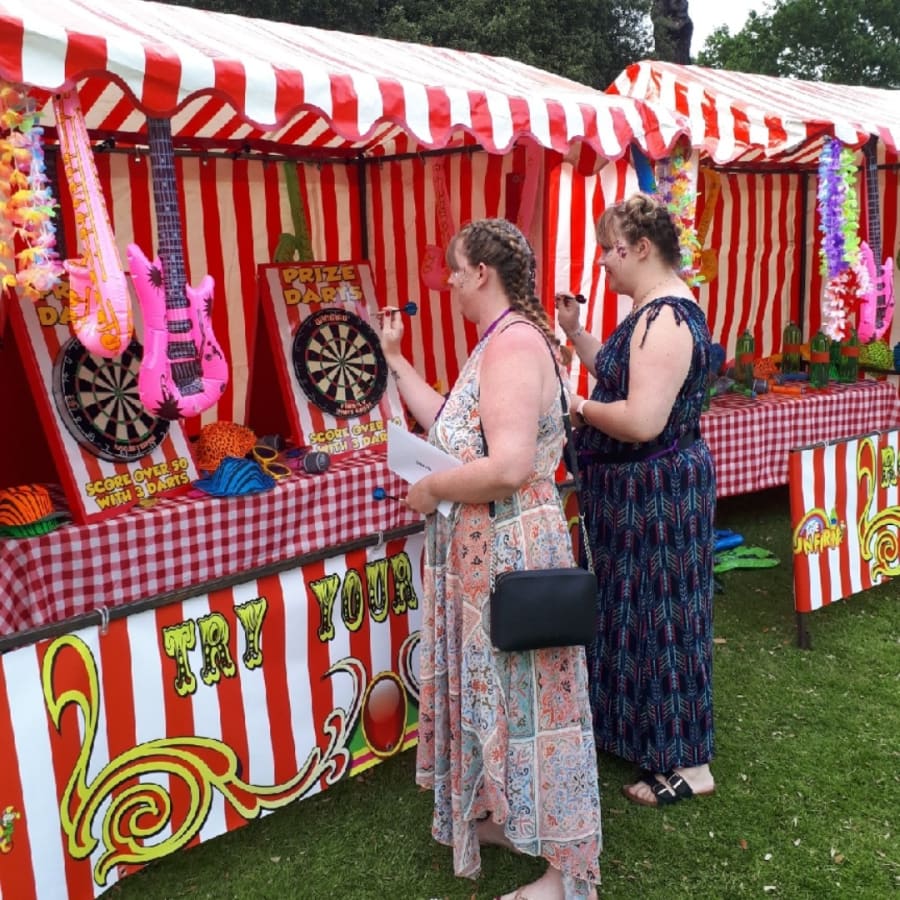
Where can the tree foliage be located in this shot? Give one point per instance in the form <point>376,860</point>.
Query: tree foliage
<point>589,41</point>
<point>840,41</point>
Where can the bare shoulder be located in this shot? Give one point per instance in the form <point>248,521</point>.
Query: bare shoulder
<point>518,337</point>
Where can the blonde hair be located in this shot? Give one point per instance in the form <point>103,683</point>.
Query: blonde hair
<point>641,216</point>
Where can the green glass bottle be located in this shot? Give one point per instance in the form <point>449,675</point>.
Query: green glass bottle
<point>791,339</point>
<point>850,358</point>
<point>819,360</point>
<point>743,360</point>
<point>834,359</point>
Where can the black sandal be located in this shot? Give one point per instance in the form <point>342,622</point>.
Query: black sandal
<point>671,789</point>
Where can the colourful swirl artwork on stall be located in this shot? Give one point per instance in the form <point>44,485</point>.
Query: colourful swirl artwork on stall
<point>879,531</point>
<point>99,303</point>
<point>121,796</point>
<point>128,808</point>
<point>27,233</point>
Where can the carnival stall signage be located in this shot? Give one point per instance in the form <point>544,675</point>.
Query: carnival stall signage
<point>845,516</point>
<point>168,727</point>
<point>109,450</point>
<point>328,356</point>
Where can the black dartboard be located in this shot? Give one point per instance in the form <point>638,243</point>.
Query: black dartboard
<point>97,399</point>
<point>338,362</point>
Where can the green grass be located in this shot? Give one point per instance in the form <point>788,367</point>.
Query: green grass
<point>807,769</point>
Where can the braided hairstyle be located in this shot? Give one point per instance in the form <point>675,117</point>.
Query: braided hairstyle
<point>499,244</point>
<point>641,216</point>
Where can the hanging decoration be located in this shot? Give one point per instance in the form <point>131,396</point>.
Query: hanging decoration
<point>847,281</point>
<point>675,187</point>
<point>27,233</point>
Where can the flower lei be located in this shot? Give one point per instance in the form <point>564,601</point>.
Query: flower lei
<point>847,279</point>
<point>26,204</point>
<point>674,187</point>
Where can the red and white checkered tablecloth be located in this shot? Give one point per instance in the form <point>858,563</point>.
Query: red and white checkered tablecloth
<point>187,541</point>
<point>750,438</point>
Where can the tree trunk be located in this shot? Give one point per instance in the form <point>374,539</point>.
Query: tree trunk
<point>672,31</point>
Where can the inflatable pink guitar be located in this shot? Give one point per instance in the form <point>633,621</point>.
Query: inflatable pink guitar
<point>99,304</point>
<point>877,307</point>
<point>183,370</point>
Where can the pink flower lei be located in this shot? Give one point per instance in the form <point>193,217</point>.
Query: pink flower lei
<point>674,188</point>
<point>27,233</point>
<point>847,281</point>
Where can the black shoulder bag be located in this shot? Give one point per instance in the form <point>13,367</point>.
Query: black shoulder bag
<point>536,608</point>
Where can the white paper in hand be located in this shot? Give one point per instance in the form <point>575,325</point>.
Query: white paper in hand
<point>412,459</point>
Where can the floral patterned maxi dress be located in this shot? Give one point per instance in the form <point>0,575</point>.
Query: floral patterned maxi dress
<point>503,733</point>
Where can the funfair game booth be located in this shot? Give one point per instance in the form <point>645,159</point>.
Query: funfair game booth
<point>747,181</point>
<point>793,177</point>
<point>185,653</point>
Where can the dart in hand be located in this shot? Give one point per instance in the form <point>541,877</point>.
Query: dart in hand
<point>379,493</point>
<point>409,308</point>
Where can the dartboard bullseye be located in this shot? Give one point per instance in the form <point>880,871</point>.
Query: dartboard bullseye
<point>338,362</point>
<point>97,399</point>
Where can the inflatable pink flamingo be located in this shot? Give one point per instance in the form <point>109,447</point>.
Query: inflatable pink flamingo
<point>99,303</point>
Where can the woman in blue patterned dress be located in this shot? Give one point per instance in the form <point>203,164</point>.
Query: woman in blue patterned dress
<point>649,499</point>
<point>505,739</point>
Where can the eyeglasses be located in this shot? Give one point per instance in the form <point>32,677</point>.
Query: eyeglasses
<point>271,462</point>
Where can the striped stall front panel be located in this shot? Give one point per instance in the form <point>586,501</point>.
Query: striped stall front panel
<point>845,516</point>
<point>200,716</point>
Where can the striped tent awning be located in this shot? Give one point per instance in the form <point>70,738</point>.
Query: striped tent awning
<point>251,84</point>
<point>739,118</point>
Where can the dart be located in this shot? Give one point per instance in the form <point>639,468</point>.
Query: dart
<point>410,309</point>
<point>379,493</point>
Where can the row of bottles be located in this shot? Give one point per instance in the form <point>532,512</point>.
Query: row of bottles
<point>828,360</point>
<point>833,360</point>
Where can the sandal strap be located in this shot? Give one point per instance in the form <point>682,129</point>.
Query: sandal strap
<point>680,789</point>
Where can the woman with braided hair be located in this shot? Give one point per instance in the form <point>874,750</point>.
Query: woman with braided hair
<point>505,739</point>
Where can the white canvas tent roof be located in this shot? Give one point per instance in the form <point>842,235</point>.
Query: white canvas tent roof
<point>736,117</point>
<point>252,84</point>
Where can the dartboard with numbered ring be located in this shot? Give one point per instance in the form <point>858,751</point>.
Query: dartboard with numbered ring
<point>97,400</point>
<point>339,363</point>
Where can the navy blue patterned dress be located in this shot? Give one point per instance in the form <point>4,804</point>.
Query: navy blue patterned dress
<point>651,528</point>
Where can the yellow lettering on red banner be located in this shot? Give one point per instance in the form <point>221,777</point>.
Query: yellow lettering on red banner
<point>377,577</point>
<point>404,592</point>
<point>217,660</point>
<point>177,640</point>
<point>251,615</point>
<point>325,592</point>
<point>888,467</point>
<point>352,607</point>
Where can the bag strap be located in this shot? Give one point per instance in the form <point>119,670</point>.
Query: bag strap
<point>569,453</point>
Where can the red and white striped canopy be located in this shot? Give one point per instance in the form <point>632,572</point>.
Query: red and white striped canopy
<point>237,82</point>
<point>736,117</point>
